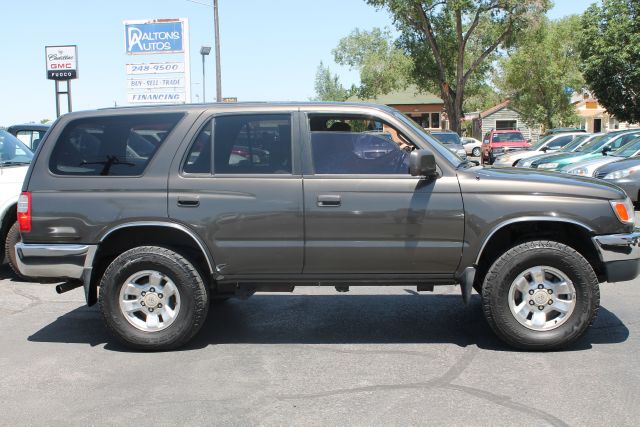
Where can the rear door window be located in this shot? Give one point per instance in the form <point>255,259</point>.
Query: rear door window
<point>111,146</point>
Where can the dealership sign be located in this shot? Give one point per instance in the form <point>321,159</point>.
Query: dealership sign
<point>155,83</point>
<point>61,62</point>
<point>156,97</point>
<point>154,36</point>
<point>155,68</point>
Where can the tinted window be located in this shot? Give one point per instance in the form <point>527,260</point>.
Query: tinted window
<point>561,141</point>
<point>114,145</point>
<point>13,150</point>
<point>251,144</point>
<point>199,157</point>
<point>357,153</point>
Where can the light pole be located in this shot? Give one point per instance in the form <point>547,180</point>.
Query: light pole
<point>204,51</point>
<point>218,73</point>
<point>216,28</point>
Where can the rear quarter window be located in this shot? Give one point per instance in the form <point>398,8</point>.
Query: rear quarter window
<point>112,145</point>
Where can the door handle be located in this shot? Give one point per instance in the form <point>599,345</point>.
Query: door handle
<point>329,200</point>
<point>188,202</point>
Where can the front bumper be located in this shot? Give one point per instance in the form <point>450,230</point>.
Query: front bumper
<point>63,261</point>
<point>620,254</point>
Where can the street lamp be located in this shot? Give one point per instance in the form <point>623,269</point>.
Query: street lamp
<point>216,29</point>
<point>204,51</point>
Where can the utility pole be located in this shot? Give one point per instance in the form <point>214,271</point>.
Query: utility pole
<point>218,72</point>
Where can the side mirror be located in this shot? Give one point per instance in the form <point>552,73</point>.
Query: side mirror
<point>544,149</point>
<point>605,150</point>
<point>422,163</point>
<point>486,141</point>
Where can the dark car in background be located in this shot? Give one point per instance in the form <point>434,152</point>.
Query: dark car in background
<point>29,133</point>
<point>452,141</point>
<point>555,131</point>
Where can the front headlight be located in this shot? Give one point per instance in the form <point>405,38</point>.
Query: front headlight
<point>462,154</point>
<point>582,171</point>
<point>548,166</point>
<point>624,210</point>
<point>622,173</point>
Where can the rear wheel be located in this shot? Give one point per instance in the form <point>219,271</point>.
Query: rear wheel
<point>540,295</point>
<point>476,152</point>
<point>12,239</point>
<point>153,298</point>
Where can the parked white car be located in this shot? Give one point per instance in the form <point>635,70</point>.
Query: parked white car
<point>472,146</point>
<point>15,158</point>
<point>547,144</point>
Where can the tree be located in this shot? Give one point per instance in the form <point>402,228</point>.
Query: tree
<point>328,86</point>
<point>609,48</point>
<point>383,66</point>
<point>540,75</point>
<point>43,121</point>
<point>451,40</point>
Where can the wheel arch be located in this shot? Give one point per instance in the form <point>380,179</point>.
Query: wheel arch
<point>126,236</point>
<point>515,231</point>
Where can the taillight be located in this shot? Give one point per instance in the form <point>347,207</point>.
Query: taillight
<point>24,212</point>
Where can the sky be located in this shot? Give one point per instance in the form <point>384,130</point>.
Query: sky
<point>270,50</point>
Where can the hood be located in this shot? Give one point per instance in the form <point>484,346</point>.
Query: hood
<point>13,174</point>
<point>592,164</point>
<point>530,181</point>
<point>619,165</point>
<point>11,178</point>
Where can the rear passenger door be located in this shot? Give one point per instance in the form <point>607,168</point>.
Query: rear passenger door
<point>238,185</point>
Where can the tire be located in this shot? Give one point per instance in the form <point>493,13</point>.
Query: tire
<point>476,152</point>
<point>13,237</point>
<point>565,275</point>
<point>150,271</point>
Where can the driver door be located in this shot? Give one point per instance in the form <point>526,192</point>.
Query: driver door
<point>365,214</point>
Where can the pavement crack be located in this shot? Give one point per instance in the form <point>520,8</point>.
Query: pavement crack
<point>451,374</point>
<point>506,402</point>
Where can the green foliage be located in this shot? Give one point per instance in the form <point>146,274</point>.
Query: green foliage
<point>541,72</point>
<point>453,42</point>
<point>328,86</point>
<point>382,65</point>
<point>610,51</point>
<point>44,121</point>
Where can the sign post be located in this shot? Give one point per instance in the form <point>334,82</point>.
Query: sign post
<point>62,64</point>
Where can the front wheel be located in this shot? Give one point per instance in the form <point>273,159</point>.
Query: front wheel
<point>476,152</point>
<point>153,298</point>
<point>540,295</point>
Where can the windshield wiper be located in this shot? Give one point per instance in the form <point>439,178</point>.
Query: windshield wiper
<point>111,160</point>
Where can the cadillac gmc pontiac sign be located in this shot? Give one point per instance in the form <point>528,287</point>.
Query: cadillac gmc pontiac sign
<point>62,62</point>
<point>154,36</point>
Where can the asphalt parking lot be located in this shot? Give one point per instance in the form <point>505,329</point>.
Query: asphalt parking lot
<point>373,356</point>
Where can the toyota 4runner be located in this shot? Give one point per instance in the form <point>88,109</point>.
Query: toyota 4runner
<point>158,211</point>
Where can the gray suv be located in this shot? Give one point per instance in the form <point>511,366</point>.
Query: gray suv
<point>159,211</point>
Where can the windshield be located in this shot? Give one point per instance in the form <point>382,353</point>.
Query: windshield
<point>596,143</point>
<point>430,140</point>
<point>541,142</point>
<point>629,149</point>
<point>12,150</point>
<point>447,138</point>
<point>508,137</point>
<point>575,143</point>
